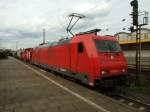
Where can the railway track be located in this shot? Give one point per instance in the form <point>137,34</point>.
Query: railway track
<point>145,74</point>
<point>144,68</point>
<point>132,102</point>
<point>117,95</point>
<point>124,99</point>
<point>127,100</point>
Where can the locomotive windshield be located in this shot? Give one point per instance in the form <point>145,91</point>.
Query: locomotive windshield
<point>107,46</point>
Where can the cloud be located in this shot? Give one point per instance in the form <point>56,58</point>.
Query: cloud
<point>18,33</point>
<point>23,20</point>
<point>93,10</point>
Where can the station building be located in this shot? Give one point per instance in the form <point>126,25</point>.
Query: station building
<point>128,44</point>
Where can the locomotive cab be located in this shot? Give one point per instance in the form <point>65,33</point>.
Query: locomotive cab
<point>100,57</point>
<point>112,61</point>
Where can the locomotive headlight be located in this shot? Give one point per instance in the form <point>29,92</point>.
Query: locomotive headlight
<point>104,72</point>
<point>123,70</point>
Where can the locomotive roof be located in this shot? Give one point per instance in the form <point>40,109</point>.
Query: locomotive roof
<point>60,42</point>
<point>112,38</point>
<point>100,37</point>
<point>67,40</point>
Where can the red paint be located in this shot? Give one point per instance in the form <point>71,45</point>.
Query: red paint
<point>95,64</point>
<point>26,55</point>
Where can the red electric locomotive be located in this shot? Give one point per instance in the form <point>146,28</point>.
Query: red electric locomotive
<point>90,58</point>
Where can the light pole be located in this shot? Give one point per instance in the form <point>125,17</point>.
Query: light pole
<point>17,45</point>
<point>43,35</point>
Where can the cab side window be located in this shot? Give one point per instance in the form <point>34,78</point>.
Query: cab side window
<point>80,47</point>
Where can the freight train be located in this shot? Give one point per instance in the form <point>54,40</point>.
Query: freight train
<point>26,54</point>
<point>90,58</point>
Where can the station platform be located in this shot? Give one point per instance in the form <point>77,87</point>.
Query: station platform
<point>26,88</point>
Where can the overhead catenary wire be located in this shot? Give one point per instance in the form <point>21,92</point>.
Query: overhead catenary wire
<point>112,27</point>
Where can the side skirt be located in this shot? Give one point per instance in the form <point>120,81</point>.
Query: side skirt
<point>66,73</point>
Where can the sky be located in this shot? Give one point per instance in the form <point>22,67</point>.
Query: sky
<point>22,21</point>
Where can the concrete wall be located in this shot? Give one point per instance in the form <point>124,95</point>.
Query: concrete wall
<point>130,53</point>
